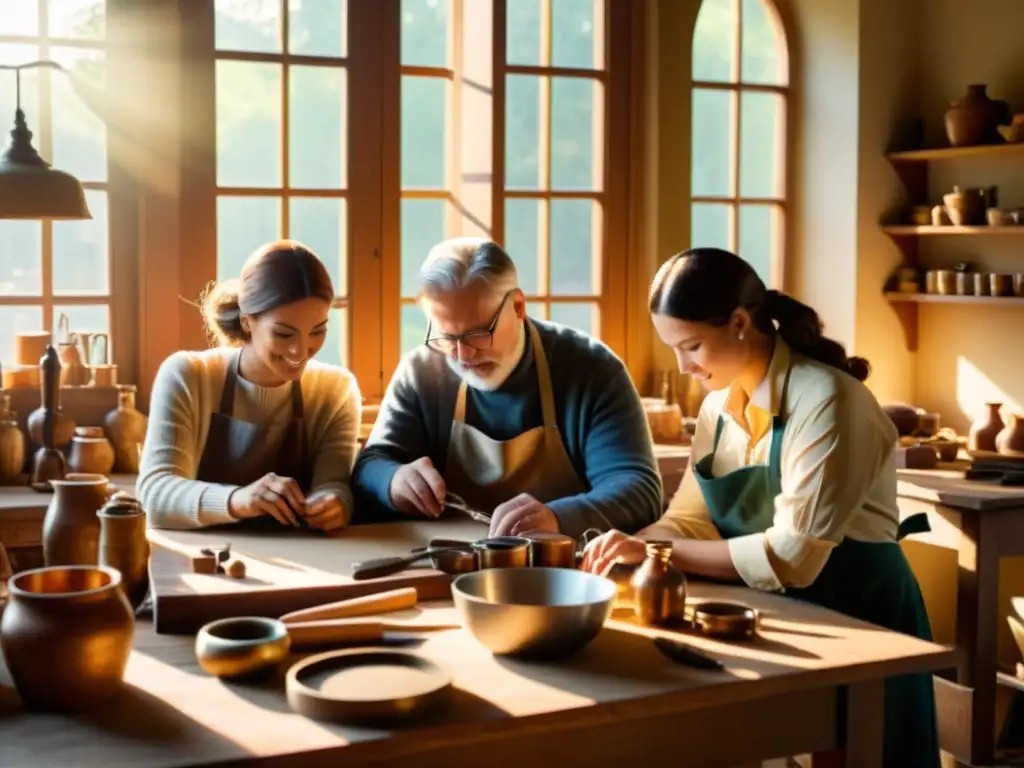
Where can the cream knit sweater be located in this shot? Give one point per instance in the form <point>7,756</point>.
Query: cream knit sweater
<point>188,389</point>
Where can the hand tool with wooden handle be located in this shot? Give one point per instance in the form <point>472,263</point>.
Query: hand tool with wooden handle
<point>367,605</point>
<point>308,634</point>
<point>386,566</point>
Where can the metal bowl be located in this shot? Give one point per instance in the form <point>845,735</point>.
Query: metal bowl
<point>535,613</point>
<point>242,647</point>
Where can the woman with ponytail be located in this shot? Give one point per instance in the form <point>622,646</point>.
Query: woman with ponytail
<point>792,481</point>
<point>254,431</point>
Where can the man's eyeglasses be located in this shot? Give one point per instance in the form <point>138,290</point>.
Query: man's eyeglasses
<point>478,340</point>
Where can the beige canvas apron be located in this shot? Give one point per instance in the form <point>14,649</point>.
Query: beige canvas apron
<point>487,472</point>
<point>238,453</point>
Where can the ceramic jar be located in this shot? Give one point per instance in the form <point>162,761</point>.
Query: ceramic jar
<point>71,529</point>
<point>124,546</point>
<point>983,433</point>
<point>12,444</point>
<point>659,588</point>
<point>90,452</point>
<point>66,636</point>
<point>1010,441</point>
<point>126,429</point>
<point>974,119</point>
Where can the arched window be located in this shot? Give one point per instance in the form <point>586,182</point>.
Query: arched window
<point>740,106</point>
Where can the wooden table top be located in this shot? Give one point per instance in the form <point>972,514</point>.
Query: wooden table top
<point>173,714</point>
<point>948,487</point>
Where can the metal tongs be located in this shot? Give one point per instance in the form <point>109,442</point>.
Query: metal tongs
<point>456,502</point>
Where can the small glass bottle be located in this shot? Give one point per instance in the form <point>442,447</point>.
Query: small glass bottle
<point>659,588</point>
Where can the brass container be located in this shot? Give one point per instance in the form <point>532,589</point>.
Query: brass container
<point>66,635</point>
<point>71,528</point>
<point>551,550</point>
<point>1001,284</point>
<point>659,588</point>
<point>503,552</point>
<point>245,647</point>
<point>124,546</point>
<point>726,620</point>
<point>945,282</point>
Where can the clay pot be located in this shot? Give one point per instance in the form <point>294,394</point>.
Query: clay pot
<point>90,452</point>
<point>66,636</point>
<point>975,119</point>
<point>1010,441</point>
<point>983,433</point>
<point>126,428</point>
<point>12,444</point>
<point>71,529</point>
<point>966,207</point>
<point>124,546</point>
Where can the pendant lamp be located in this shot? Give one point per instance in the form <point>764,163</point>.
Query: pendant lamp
<point>29,187</point>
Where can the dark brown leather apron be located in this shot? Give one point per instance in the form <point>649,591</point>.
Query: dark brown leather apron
<point>237,452</point>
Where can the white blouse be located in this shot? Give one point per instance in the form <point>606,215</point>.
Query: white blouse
<point>837,465</point>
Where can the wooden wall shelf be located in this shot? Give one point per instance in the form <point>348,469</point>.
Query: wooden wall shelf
<point>912,168</point>
<point>951,153</point>
<point>939,298</point>
<point>905,305</point>
<point>915,231</point>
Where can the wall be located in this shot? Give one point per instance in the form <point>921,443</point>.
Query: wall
<point>970,354</point>
<point>847,106</point>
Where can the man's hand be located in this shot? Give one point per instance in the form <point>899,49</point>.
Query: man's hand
<point>325,511</point>
<point>418,489</point>
<point>521,514</point>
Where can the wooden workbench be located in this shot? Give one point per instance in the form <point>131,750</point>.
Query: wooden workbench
<point>813,682</point>
<point>983,524</point>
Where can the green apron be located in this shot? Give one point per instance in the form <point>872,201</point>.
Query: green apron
<point>869,581</point>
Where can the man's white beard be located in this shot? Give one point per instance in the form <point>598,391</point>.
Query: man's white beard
<point>502,370</point>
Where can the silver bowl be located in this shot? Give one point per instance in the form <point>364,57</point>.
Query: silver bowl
<point>535,613</point>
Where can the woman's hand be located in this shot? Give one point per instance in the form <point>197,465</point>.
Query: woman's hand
<point>279,497</point>
<point>611,548</point>
<point>325,511</point>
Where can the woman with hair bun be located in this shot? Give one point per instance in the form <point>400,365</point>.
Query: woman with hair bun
<point>792,481</point>
<point>255,431</point>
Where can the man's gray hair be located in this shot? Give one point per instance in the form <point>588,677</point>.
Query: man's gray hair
<point>463,262</point>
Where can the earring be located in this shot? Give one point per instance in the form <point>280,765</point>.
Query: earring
<point>740,336</point>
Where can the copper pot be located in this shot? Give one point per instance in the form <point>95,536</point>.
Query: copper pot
<point>503,552</point>
<point>71,529</point>
<point>551,550</point>
<point>66,635</point>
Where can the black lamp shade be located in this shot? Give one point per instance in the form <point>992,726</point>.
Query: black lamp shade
<point>30,188</point>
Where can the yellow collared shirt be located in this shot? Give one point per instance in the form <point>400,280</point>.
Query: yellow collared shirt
<point>837,465</point>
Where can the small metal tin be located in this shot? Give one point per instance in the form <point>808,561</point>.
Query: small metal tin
<point>503,552</point>
<point>551,550</point>
<point>725,620</point>
<point>456,561</point>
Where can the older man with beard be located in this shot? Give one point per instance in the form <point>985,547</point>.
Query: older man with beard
<point>533,422</point>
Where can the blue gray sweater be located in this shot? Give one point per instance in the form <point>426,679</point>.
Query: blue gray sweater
<point>599,414</point>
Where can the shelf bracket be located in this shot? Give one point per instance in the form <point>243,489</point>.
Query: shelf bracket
<point>906,311</point>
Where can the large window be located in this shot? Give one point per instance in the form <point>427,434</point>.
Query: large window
<point>740,100</point>
<point>60,267</point>
<point>554,155</point>
<point>549,180</point>
<point>282,125</point>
